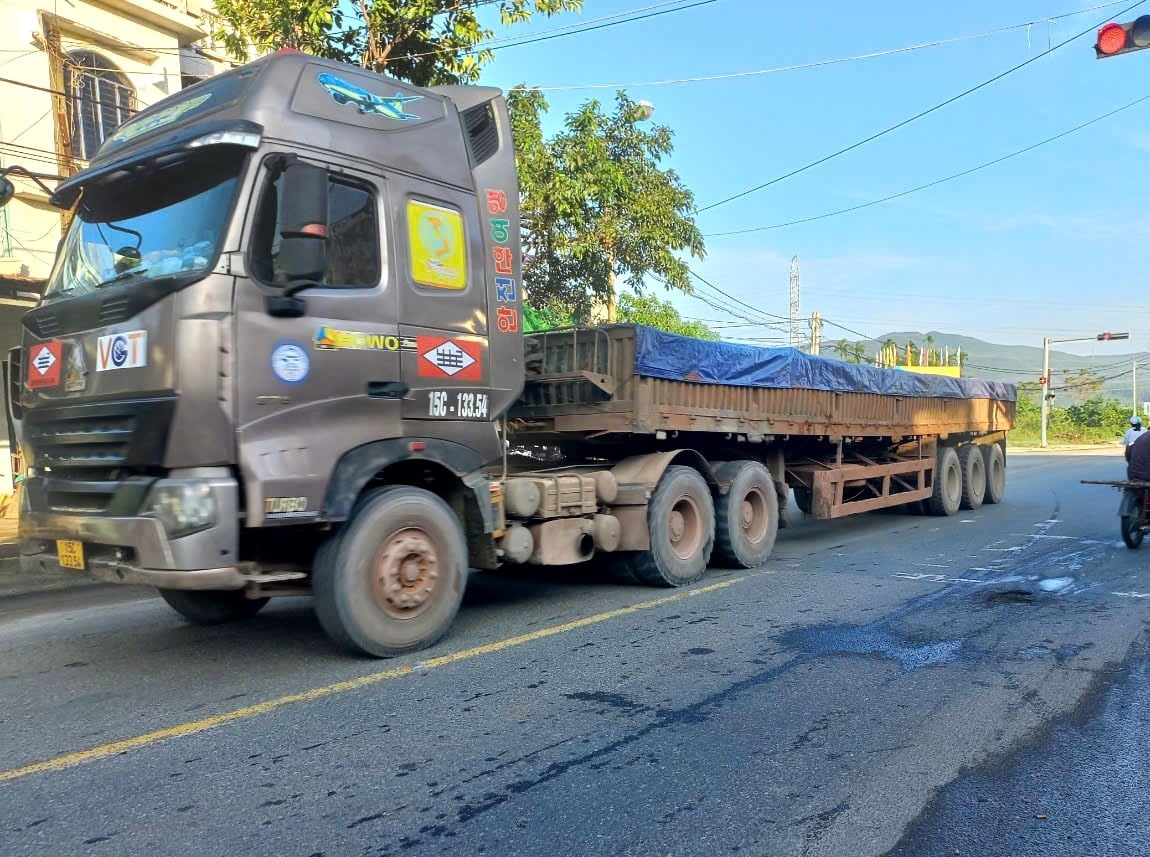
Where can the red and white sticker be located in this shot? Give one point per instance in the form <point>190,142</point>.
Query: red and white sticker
<point>44,365</point>
<point>456,359</point>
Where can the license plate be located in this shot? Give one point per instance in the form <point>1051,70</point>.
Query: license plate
<point>71,554</point>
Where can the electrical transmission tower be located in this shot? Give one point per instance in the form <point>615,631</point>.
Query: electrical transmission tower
<point>795,340</point>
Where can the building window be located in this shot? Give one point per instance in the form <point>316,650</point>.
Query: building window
<point>100,99</point>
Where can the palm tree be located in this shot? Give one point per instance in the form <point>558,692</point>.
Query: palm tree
<point>857,353</point>
<point>842,348</point>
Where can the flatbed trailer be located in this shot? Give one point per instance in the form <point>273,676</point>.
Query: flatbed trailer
<point>847,439</point>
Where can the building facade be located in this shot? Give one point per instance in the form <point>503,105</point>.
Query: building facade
<point>71,71</point>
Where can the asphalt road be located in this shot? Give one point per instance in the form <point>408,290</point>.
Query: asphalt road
<point>887,684</point>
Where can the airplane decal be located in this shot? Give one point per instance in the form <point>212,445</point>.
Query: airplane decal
<point>389,107</point>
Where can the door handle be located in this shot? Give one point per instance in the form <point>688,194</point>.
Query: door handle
<point>387,389</point>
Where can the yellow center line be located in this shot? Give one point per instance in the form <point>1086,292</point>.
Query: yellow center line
<point>192,727</point>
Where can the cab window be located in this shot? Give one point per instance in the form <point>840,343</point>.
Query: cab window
<point>353,246</point>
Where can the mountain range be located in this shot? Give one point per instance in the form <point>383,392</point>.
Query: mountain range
<point>1021,363</point>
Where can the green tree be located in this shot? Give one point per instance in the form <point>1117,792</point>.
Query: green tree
<point>1084,384</point>
<point>425,42</point>
<point>842,349</point>
<point>597,205</point>
<point>857,353</point>
<point>649,310</point>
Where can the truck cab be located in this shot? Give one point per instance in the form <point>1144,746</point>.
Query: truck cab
<point>284,292</point>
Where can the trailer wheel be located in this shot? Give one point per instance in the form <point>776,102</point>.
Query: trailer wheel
<point>213,607</point>
<point>994,460</point>
<point>973,467</point>
<point>804,499</point>
<point>681,521</point>
<point>747,517</point>
<point>947,494</point>
<point>393,580</point>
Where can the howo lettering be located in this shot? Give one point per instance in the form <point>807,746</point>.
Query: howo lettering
<point>281,353</point>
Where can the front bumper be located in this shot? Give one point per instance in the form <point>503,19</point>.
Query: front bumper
<point>137,549</point>
<point>230,577</point>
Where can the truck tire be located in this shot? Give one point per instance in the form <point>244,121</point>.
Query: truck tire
<point>392,581</point>
<point>804,499</point>
<point>973,467</point>
<point>947,496</point>
<point>681,521</point>
<point>747,516</point>
<point>213,607</point>
<point>994,460</point>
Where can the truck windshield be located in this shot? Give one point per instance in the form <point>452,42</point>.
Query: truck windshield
<point>156,222</point>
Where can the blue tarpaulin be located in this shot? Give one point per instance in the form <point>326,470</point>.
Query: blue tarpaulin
<point>681,358</point>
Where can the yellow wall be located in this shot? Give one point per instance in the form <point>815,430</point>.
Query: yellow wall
<point>948,371</point>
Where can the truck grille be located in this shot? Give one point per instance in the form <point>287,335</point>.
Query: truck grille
<point>95,458</point>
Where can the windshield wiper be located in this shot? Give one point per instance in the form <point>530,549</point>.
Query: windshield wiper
<point>120,277</point>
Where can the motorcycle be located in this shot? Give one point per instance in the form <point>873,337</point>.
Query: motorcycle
<point>1133,509</point>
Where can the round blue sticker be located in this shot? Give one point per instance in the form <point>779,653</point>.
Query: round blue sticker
<point>290,362</point>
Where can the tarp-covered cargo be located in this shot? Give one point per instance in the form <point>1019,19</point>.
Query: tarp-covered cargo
<point>628,379</point>
<point>680,358</point>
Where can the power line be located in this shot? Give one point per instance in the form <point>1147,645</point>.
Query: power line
<point>821,63</point>
<point>51,91</point>
<point>916,116</point>
<point>936,182</point>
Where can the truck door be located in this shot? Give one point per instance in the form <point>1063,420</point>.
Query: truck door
<point>442,306</point>
<point>312,387</point>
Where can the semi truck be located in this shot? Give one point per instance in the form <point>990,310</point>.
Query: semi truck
<point>281,352</point>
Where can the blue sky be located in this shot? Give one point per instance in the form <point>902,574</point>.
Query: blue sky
<point>1050,243</point>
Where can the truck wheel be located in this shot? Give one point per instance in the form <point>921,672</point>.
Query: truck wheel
<point>1131,533</point>
<point>681,521</point>
<point>392,581</point>
<point>995,466</point>
<point>747,517</point>
<point>212,607</point>
<point>947,484</point>
<point>973,468</point>
<point>804,498</point>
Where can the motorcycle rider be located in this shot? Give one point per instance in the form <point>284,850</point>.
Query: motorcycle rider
<point>1138,459</point>
<point>1132,433</point>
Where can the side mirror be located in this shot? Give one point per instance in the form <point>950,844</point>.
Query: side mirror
<point>7,191</point>
<point>303,223</point>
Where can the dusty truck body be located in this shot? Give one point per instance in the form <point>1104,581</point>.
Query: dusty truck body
<point>280,353</point>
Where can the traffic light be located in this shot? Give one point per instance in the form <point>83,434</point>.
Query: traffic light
<point>1107,337</point>
<point>1115,39</point>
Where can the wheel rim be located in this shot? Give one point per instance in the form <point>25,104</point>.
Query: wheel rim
<point>406,574</point>
<point>753,516</point>
<point>685,527</point>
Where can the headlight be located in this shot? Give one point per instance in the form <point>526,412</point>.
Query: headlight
<point>182,507</point>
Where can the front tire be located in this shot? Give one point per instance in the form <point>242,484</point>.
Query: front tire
<point>214,607</point>
<point>392,581</point>
<point>747,516</point>
<point>681,521</point>
<point>1132,534</point>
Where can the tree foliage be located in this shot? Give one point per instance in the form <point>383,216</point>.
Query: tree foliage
<point>598,204</point>
<point>424,42</point>
<point>660,314</point>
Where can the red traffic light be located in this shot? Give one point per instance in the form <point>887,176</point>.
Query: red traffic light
<point>1111,38</point>
<point>1107,337</point>
<point>1115,38</point>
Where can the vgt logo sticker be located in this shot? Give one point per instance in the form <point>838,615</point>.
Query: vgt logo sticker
<point>122,351</point>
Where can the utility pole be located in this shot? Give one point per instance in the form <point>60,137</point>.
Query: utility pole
<point>794,314</point>
<point>816,324</point>
<point>1135,394</point>
<point>1045,379</point>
